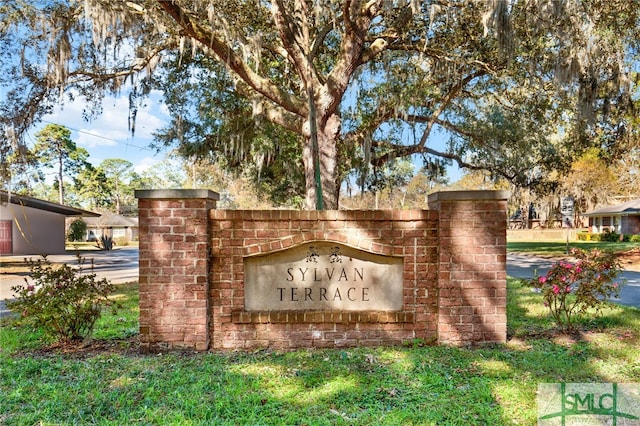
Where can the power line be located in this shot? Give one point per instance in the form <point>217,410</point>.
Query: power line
<point>100,136</point>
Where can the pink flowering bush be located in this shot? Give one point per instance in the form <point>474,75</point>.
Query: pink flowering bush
<point>576,287</point>
<point>66,302</point>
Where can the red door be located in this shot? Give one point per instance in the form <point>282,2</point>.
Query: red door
<point>6,240</point>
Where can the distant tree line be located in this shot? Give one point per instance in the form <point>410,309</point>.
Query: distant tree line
<point>302,98</point>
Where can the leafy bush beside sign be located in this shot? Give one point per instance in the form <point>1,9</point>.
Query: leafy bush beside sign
<point>66,302</point>
<point>575,288</point>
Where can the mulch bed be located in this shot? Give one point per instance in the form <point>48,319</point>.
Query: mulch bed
<point>86,349</point>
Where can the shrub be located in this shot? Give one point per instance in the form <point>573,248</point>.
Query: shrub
<point>121,241</point>
<point>574,288</point>
<point>583,236</point>
<point>77,230</point>
<point>634,238</point>
<point>596,237</point>
<point>607,235</point>
<point>105,242</point>
<point>66,302</point>
<point>611,236</point>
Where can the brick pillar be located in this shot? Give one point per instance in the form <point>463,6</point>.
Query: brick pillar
<point>174,265</point>
<point>472,278</point>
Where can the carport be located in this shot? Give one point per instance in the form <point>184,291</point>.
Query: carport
<point>32,226</point>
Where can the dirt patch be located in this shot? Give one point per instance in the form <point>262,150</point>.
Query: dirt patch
<point>87,349</point>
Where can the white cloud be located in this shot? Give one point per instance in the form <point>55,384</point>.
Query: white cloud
<point>146,163</point>
<point>147,122</point>
<point>94,137</point>
<point>114,119</point>
<point>108,134</point>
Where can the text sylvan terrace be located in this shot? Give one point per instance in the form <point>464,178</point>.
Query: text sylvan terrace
<point>323,276</point>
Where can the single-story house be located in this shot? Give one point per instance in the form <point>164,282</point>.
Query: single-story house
<point>32,226</point>
<point>622,218</point>
<point>111,225</point>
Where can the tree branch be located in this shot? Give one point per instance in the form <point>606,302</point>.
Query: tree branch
<point>269,110</point>
<point>383,114</point>
<point>234,63</point>
<point>296,48</point>
<point>320,38</point>
<point>125,71</point>
<point>453,92</point>
<point>384,41</point>
<point>351,48</point>
<point>398,151</point>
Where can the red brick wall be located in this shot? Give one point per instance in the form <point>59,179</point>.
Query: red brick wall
<point>454,260</point>
<point>173,276</point>
<point>236,234</point>
<point>472,279</point>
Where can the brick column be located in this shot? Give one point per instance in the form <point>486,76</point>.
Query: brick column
<point>472,278</point>
<point>174,266</point>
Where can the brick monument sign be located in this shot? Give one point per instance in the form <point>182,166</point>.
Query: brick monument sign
<point>246,279</point>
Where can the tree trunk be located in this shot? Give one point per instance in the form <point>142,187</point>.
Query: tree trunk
<point>117,195</point>
<point>327,136</point>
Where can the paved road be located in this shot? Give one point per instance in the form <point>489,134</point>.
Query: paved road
<point>118,266</point>
<point>121,265</point>
<point>525,266</point>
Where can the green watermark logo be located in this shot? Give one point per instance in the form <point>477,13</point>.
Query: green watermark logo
<point>570,404</point>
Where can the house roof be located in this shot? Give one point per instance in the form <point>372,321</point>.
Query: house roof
<point>111,219</point>
<point>629,208</point>
<point>36,203</point>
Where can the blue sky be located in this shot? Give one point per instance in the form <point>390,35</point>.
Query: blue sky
<point>108,136</point>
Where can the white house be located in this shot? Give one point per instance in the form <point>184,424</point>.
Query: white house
<point>112,225</point>
<point>32,226</point>
<point>622,218</point>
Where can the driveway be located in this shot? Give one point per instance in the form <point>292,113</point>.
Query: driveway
<point>121,265</point>
<point>526,266</point>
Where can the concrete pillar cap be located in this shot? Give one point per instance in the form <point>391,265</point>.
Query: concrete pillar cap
<point>468,195</point>
<point>175,194</point>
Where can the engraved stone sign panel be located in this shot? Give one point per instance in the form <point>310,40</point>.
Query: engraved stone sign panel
<point>323,276</point>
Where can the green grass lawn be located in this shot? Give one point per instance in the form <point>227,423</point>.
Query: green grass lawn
<point>110,383</point>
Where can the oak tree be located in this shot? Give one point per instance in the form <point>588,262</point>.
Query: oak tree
<point>359,82</point>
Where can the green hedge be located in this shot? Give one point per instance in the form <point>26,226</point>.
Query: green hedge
<point>607,236</point>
